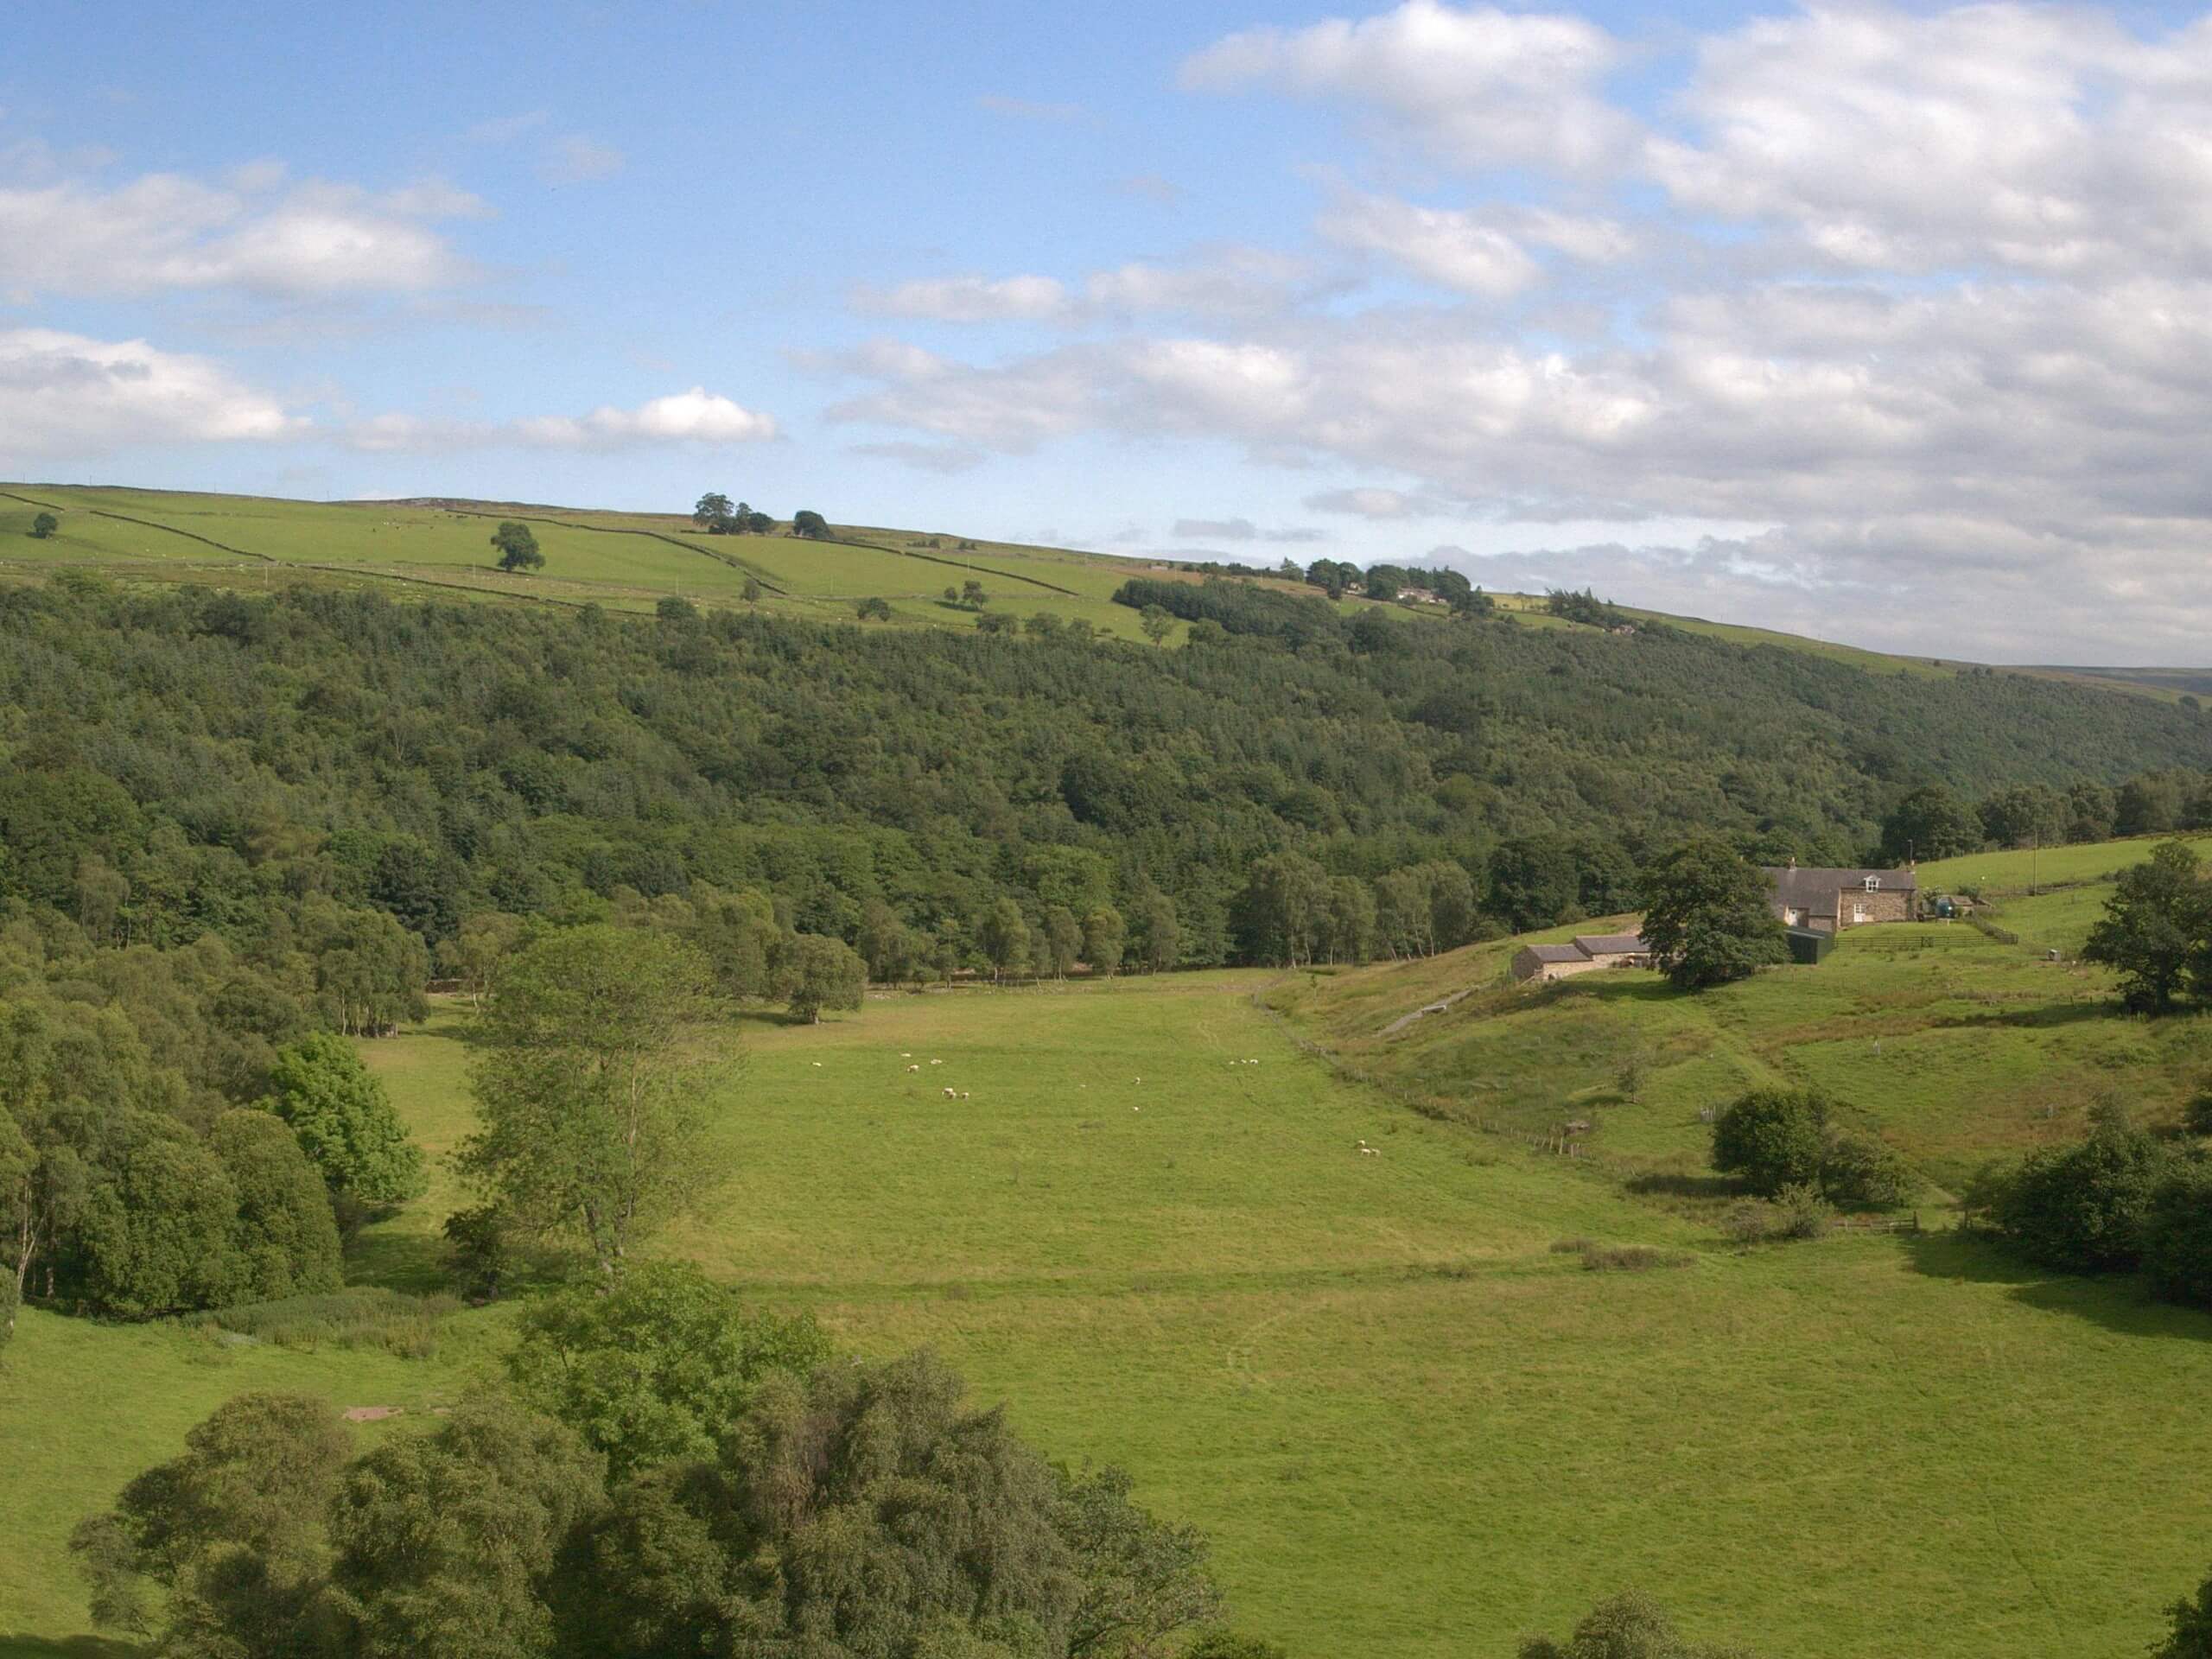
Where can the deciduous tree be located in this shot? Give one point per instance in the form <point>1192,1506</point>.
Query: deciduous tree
<point>518,547</point>
<point>1709,918</point>
<point>592,1091</point>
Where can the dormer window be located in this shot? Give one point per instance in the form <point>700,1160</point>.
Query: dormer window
<point>1873,884</point>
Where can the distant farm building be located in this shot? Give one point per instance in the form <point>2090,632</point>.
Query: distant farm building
<point>1829,900</point>
<point>1584,952</point>
<point>1420,596</point>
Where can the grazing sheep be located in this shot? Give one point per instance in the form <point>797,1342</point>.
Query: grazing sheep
<point>963,1094</point>
<point>952,1093</point>
<point>818,1066</point>
<point>937,1062</point>
<point>1372,1152</point>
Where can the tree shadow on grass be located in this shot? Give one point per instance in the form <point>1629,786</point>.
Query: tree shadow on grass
<point>68,1647</point>
<point>2119,1302</point>
<point>2043,1016</point>
<point>1681,1184</point>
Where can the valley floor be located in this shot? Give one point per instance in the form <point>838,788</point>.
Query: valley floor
<point>1412,1429</point>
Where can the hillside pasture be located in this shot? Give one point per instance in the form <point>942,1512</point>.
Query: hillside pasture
<point>1413,1428</point>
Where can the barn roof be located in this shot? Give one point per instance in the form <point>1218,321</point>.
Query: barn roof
<point>1611,945</point>
<point>1555,953</point>
<point>1808,888</point>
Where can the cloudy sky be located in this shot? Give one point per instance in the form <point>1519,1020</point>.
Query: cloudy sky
<point>1889,324</point>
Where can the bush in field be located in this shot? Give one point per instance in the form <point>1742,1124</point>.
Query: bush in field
<point>1771,1138</point>
<point>2082,1208</point>
<point>1858,1170</point>
<point>2178,1238</point>
<point>2189,1634</point>
<point>1629,1626</point>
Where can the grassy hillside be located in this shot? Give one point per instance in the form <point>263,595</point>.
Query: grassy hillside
<point>628,561</point>
<point>1951,1045</point>
<point>1412,1427</point>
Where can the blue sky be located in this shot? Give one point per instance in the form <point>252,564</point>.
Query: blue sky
<point>1889,324</point>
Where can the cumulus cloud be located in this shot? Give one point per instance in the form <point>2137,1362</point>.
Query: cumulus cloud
<point>1452,248</point>
<point>1229,281</point>
<point>2044,139</point>
<point>64,394</point>
<point>696,416</point>
<point>73,237</point>
<point>1477,86</point>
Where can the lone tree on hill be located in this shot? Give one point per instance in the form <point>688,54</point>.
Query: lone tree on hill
<point>518,547</point>
<point>1709,921</point>
<point>2156,928</point>
<point>874,610</point>
<point>1155,622</point>
<point>713,513</point>
<point>44,525</point>
<point>810,524</point>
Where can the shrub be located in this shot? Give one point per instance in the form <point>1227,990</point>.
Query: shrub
<point>1801,1212</point>
<point>1771,1139</point>
<point>2178,1238</point>
<point>2196,1116</point>
<point>2082,1208</point>
<point>1858,1169</point>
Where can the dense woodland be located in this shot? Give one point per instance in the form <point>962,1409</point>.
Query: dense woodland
<point>232,823</point>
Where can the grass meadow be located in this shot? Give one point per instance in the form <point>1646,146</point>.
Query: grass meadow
<point>1413,1428</point>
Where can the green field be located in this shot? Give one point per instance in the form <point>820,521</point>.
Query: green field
<point>2024,869</point>
<point>629,561</point>
<point>1412,1427</point>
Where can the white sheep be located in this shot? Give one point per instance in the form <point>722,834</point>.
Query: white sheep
<point>963,1094</point>
<point>913,1068</point>
<point>937,1062</point>
<point>1372,1152</point>
<point>818,1066</point>
<point>952,1093</point>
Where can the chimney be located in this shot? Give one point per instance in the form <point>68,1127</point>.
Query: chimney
<point>1792,861</point>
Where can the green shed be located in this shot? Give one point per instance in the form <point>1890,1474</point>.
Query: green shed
<point>1808,947</point>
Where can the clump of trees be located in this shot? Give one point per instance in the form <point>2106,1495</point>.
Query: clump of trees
<point>770,1497</point>
<point>1776,1139</point>
<point>2120,1200</point>
<point>717,515</point>
<point>517,546</point>
<point>1585,606</point>
<point>43,525</point>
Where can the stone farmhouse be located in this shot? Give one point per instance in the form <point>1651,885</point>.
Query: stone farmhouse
<point>1828,901</point>
<point>1584,952</point>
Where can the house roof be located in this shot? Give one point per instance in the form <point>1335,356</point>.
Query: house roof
<point>1610,944</point>
<point>1808,887</point>
<point>1555,953</point>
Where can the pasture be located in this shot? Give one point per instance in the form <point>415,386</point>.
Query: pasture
<point>1412,1427</point>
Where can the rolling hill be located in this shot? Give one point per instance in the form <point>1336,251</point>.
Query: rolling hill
<point>629,561</point>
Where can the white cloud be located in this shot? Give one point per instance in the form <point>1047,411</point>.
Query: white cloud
<point>1449,247</point>
<point>966,299</point>
<point>1477,86</point>
<point>1242,530</point>
<point>1228,281</point>
<point>75,238</point>
<point>694,416</point>
<point>63,394</point>
<point>2044,138</point>
<point>575,158</point>
<point>946,458</point>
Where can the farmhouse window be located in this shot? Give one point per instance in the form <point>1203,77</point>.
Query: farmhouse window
<point>1858,912</point>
